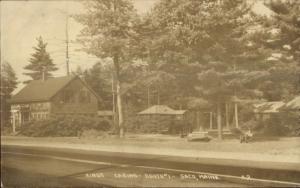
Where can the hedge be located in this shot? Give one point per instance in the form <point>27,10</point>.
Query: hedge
<point>64,126</point>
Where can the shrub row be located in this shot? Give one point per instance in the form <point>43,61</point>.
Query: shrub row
<point>64,126</point>
<point>286,124</point>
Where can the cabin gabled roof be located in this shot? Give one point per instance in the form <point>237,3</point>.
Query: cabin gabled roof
<point>161,110</point>
<point>39,90</point>
<point>268,107</point>
<point>293,104</point>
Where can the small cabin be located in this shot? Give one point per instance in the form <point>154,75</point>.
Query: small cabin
<point>292,105</point>
<point>163,110</point>
<point>265,110</point>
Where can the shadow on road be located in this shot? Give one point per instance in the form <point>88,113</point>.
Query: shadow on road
<point>17,178</point>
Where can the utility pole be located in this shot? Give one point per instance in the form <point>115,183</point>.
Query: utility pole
<point>67,44</point>
<point>65,13</point>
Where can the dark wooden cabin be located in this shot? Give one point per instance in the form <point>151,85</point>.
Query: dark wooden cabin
<point>67,95</point>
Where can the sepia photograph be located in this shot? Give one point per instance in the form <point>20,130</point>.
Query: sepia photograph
<point>150,93</point>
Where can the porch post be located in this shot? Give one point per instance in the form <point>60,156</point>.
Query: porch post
<point>13,122</point>
<point>20,118</point>
<point>227,115</point>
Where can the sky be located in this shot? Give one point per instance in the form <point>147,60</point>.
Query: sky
<point>23,21</point>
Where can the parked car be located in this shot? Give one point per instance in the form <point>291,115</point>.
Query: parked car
<point>198,137</point>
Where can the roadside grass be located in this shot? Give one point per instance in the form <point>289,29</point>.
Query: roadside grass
<point>281,146</point>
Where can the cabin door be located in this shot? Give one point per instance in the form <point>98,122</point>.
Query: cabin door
<point>25,117</point>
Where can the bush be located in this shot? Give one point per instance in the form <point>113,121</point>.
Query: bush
<point>158,124</point>
<point>64,126</point>
<point>147,125</point>
<point>274,126</point>
<point>6,129</point>
<point>178,126</point>
<point>281,124</point>
<point>256,126</point>
<point>292,121</point>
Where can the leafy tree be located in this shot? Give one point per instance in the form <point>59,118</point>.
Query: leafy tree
<point>282,39</point>
<point>151,87</point>
<point>212,38</point>
<point>185,75</point>
<point>191,53</point>
<point>287,20</point>
<point>109,32</point>
<point>41,64</point>
<point>8,84</point>
<point>99,78</point>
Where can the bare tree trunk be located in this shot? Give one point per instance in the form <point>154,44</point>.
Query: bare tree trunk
<point>119,97</point>
<point>120,112</point>
<point>219,121</point>
<point>198,121</point>
<point>236,118</point>
<point>113,102</point>
<point>210,120</point>
<point>148,96</point>
<point>158,97</point>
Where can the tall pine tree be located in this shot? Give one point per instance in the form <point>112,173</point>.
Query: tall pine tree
<point>41,65</point>
<point>109,31</point>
